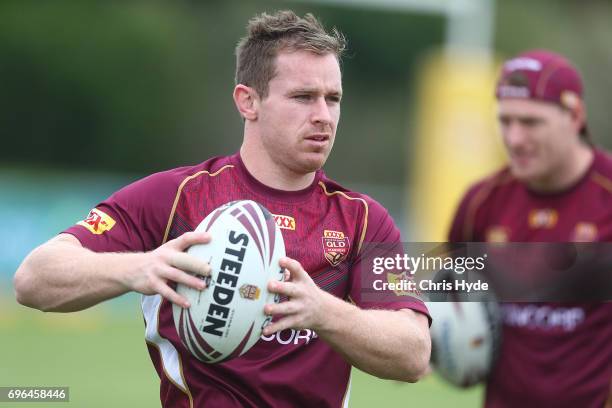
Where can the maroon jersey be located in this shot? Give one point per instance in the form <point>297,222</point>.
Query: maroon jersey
<point>553,354</point>
<point>292,367</point>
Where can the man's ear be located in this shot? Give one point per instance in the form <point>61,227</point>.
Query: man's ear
<point>580,115</point>
<point>577,109</point>
<point>247,101</point>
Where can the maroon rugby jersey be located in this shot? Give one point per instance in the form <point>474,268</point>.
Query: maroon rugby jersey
<point>553,354</point>
<point>291,368</point>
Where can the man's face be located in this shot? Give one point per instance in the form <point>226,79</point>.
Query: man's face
<point>539,138</point>
<point>299,116</point>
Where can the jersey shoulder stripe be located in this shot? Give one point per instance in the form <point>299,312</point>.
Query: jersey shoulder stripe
<point>344,194</point>
<point>180,189</point>
<point>482,191</point>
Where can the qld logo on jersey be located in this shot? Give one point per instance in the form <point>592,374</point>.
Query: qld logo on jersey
<point>585,232</point>
<point>335,246</point>
<point>97,222</point>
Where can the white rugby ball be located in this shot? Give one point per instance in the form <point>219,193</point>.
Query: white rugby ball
<point>226,319</point>
<point>465,340</point>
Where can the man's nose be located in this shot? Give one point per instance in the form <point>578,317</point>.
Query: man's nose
<point>321,111</point>
<point>514,134</point>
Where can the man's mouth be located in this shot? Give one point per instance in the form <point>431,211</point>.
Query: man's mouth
<point>318,137</point>
<point>521,158</point>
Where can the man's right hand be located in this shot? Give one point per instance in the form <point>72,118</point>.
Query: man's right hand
<point>170,263</point>
<point>63,276</point>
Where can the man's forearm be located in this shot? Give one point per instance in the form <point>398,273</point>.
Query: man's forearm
<point>388,344</point>
<point>62,276</point>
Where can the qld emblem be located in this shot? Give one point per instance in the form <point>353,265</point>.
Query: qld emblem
<point>585,232</point>
<point>335,246</point>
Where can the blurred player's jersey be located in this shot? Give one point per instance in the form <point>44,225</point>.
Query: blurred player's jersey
<point>324,227</point>
<point>553,354</point>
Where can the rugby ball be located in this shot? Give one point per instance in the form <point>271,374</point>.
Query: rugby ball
<point>465,340</point>
<point>226,319</point>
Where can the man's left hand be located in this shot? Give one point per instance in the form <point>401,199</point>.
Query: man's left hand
<point>305,304</point>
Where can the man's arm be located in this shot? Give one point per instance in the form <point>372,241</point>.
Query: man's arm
<point>385,343</point>
<point>63,276</point>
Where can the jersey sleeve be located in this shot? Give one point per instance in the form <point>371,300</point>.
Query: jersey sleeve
<point>462,227</point>
<point>455,233</point>
<point>382,238</point>
<point>133,219</point>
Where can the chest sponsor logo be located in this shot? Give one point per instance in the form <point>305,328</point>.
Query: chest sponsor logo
<point>97,222</point>
<point>585,232</point>
<point>498,234</point>
<point>543,218</point>
<point>284,222</point>
<point>292,336</point>
<point>335,246</point>
<point>533,316</point>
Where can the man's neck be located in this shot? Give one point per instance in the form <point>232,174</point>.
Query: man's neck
<point>272,174</point>
<point>569,174</point>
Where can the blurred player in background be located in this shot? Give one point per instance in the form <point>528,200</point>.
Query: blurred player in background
<point>288,91</point>
<point>556,187</point>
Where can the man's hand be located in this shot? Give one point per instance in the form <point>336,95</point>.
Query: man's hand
<point>62,276</point>
<point>304,307</point>
<point>169,263</point>
<point>392,344</point>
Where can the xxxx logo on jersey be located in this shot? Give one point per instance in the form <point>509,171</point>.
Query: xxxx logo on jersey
<point>284,222</point>
<point>97,222</point>
<point>497,234</point>
<point>543,218</point>
<point>335,246</point>
<point>397,278</point>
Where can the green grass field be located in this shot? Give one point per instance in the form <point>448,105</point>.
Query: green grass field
<point>100,354</point>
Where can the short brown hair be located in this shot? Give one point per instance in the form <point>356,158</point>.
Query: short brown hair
<point>284,30</point>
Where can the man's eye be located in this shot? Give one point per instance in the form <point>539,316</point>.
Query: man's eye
<point>530,122</point>
<point>303,97</point>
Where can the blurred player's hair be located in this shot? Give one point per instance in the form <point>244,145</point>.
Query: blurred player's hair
<point>267,35</point>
